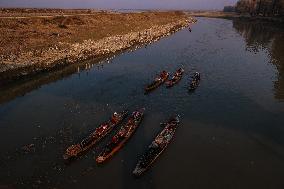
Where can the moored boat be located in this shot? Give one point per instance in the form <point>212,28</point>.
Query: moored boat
<point>100,132</point>
<point>194,82</point>
<point>176,78</point>
<point>157,146</point>
<point>121,137</point>
<point>158,81</point>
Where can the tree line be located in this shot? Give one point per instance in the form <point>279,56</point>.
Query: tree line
<point>260,7</point>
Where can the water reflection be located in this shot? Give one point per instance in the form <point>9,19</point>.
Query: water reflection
<point>21,87</point>
<point>265,36</point>
<point>232,120</point>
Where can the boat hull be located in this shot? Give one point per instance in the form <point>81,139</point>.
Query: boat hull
<point>138,171</point>
<point>195,82</point>
<point>154,151</point>
<point>156,84</point>
<point>111,148</point>
<point>79,149</point>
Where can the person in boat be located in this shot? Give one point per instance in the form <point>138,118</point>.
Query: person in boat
<point>114,117</point>
<point>163,74</point>
<point>176,74</point>
<point>102,128</point>
<point>180,70</point>
<point>172,126</point>
<point>197,75</point>
<point>168,137</point>
<point>121,132</point>
<point>193,84</point>
<point>136,115</point>
<point>158,79</point>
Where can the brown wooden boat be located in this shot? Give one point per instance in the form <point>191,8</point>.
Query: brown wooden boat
<point>158,81</point>
<point>157,146</point>
<point>100,132</point>
<point>121,137</point>
<point>176,78</point>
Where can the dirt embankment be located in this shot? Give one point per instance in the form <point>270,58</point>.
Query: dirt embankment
<point>31,44</point>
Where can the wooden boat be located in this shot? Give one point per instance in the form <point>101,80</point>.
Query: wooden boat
<point>176,78</point>
<point>157,146</point>
<point>121,137</point>
<point>195,81</point>
<point>77,149</point>
<point>158,81</point>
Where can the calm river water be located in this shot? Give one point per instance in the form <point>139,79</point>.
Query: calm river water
<point>232,127</point>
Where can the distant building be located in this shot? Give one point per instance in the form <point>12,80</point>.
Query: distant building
<point>261,7</point>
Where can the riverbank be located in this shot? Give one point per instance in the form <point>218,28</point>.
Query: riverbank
<point>233,15</point>
<point>213,14</point>
<point>36,43</point>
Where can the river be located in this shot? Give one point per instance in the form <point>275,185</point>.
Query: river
<point>231,131</point>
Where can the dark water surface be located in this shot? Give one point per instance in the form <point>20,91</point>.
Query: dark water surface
<point>232,129</point>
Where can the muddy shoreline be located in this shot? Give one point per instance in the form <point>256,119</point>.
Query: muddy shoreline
<point>24,64</point>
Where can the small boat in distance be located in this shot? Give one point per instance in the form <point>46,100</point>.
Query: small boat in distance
<point>157,146</point>
<point>121,137</point>
<point>77,149</point>
<point>176,78</point>
<point>158,81</point>
<point>195,81</point>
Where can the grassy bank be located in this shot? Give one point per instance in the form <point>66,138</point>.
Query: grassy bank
<point>34,40</point>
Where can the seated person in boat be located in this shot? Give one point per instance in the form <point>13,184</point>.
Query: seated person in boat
<point>193,83</point>
<point>158,78</point>
<point>163,74</point>
<point>122,132</point>
<point>136,114</point>
<point>180,70</point>
<point>100,130</point>
<point>114,117</point>
<point>197,75</point>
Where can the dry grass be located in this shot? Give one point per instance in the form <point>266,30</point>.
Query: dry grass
<point>39,32</point>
